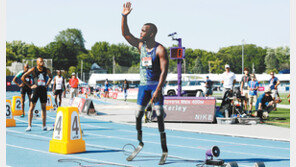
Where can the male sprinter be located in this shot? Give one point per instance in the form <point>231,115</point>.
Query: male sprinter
<point>153,73</point>
<point>39,74</point>
<point>24,88</point>
<point>58,88</point>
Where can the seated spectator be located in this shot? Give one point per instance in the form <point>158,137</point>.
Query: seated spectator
<point>264,104</point>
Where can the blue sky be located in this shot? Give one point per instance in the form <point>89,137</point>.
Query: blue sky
<point>203,24</point>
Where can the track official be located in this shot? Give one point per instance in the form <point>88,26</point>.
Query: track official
<point>73,82</point>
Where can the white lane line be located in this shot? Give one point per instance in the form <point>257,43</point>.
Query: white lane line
<point>72,156</point>
<point>182,146</point>
<point>100,146</point>
<point>174,145</point>
<point>190,138</point>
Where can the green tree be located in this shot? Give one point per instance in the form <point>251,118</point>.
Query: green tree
<point>283,57</point>
<point>100,51</point>
<point>88,60</point>
<point>72,37</point>
<point>271,60</point>
<point>216,66</point>
<point>197,69</point>
<point>232,55</point>
<point>134,68</point>
<point>71,70</point>
<point>62,55</point>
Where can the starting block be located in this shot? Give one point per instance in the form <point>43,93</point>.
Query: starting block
<point>67,136</point>
<point>16,106</point>
<point>10,122</point>
<point>49,105</point>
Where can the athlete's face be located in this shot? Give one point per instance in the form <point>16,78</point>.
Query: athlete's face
<point>59,73</point>
<point>246,72</point>
<point>145,33</point>
<point>40,62</point>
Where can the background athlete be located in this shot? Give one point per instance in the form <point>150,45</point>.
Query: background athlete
<point>24,88</point>
<point>39,74</point>
<point>153,72</point>
<point>58,88</point>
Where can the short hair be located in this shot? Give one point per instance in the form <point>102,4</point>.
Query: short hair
<point>253,76</point>
<point>246,69</point>
<point>152,27</point>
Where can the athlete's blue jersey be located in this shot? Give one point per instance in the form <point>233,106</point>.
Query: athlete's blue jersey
<point>149,67</point>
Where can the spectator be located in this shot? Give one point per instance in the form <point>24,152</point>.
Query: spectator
<point>73,82</point>
<point>244,87</point>
<point>264,103</point>
<point>98,91</point>
<point>273,85</point>
<point>208,86</point>
<point>125,87</point>
<point>253,86</point>
<point>228,79</point>
<point>106,90</point>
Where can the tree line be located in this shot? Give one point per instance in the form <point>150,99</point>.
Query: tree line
<point>68,50</point>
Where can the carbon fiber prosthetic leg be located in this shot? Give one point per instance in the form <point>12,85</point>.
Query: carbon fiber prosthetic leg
<point>160,121</point>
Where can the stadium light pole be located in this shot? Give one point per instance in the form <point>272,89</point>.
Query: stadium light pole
<point>243,41</point>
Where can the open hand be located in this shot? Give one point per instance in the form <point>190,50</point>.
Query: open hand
<point>127,8</point>
<point>33,86</point>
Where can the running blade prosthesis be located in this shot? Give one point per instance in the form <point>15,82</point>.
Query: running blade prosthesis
<point>136,152</point>
<point>163,158</point>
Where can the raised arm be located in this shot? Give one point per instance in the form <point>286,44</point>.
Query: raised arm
<point>124,27</point>
<point>25,75</point>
